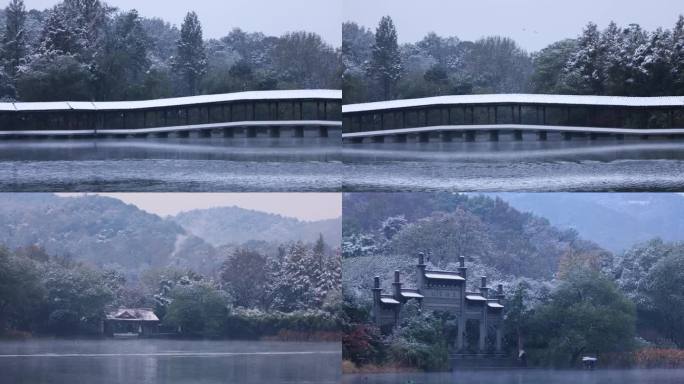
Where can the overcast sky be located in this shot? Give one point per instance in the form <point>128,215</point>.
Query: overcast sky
<point>303,206</point>
<point>532,23</point>
<point>218,17</point>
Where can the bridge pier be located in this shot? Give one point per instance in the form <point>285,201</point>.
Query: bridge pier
<point>162,134</point>
<point>378,139</point>
<point>424,137</point>
<point>620,136</point>
<point>183,134</point>
<point>298,132</point>
<point>593,136</point>
<point>205,133</point>
<point>567,136</point>
<point>517,135</point>
<point>446,136</point>
<point>494,135</point>
<point>542,136</point>
<point>228,132</point>
<point>400,138</point>
<point>274,131</point>
<point>469,136</point>
<point>322,131</point>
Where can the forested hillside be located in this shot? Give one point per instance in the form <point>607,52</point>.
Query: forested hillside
<point>89,50</point>
<point>565,296</point>
<point>101,231</point>
<point>618,60</point>
<point>233,225</point>
<point>65,261</point>
<point>384,232</point>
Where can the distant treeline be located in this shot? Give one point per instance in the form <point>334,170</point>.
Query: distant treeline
<point>293,292</point>
<point>88,50</point>
<point>625,61</point>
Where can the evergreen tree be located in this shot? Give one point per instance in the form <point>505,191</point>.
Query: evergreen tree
<point>678,56</point>
<point>584,70</point>
<point>385,64</point>
<point>123,60</point>
<point>14,48</point>
<point>190,63</point>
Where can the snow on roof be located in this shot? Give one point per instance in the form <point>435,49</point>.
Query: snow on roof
<point>587,358</point>
<point>388,300</point>
<point>44,106</point>
<point>518,98</point>
<point>411,294</point>
<point>495,305</point>
<point>475,298</point>
<point>443,275</point>
<point>177,101</point>
<point>136,314</point>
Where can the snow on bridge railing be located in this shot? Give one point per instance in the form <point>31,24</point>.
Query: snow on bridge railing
<point>517,98</point>
<point>302,94</point>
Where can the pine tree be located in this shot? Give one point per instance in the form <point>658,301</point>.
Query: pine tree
<point>584,72</point>
<point>385,63</point>
<point>614,69</point>
<point>678,57</point>
<point>60,35</point>
<point>123,59</point>
<point>14,41</point>
<point>190,62</point>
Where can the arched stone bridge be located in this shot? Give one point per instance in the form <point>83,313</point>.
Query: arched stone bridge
<point>466,117</point>
<point>294,113</point>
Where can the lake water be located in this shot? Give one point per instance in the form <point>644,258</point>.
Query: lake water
<point>170,165</point>
<point>515,166</point>
<point>529,376</point>
<point>168,361</point>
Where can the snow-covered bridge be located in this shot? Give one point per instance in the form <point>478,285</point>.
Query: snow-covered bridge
<point>295,113</point>
<point>464,116</point>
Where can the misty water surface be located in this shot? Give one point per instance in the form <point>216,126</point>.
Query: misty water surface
<point>168,361</point>
<point>526,376</point>
<point>602,165</point>
<point>169,165</point>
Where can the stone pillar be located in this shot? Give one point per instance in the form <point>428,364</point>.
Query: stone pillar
<point>462,271</point>
<point>396,286</point>
<point>420,278</point>
<point>376,300</point>
<point>499,336</point>
<point>483,319</point>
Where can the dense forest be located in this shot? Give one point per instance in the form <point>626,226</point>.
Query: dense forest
<point>618,61</point>
<point>565,296</point>
<point>89,50</point>
<point>67,261</point>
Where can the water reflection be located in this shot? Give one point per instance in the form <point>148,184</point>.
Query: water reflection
<point>167,361</point>
<point>305,164</point>
<point>531,376</point>
<point>522,166</point>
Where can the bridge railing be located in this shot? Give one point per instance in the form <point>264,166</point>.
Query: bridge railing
<point>531,110</point>
<point>260,106</point>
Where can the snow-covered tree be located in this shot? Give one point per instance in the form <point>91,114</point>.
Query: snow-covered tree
<point>123,58</point>
<point>583,70</point>
<point>190,62</point>
<point>385,64</point>
<point>14,49</point>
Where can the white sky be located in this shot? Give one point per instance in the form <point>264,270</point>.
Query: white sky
<point>303,206</point>
<point>532,23</point>
<point>218,17</point>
